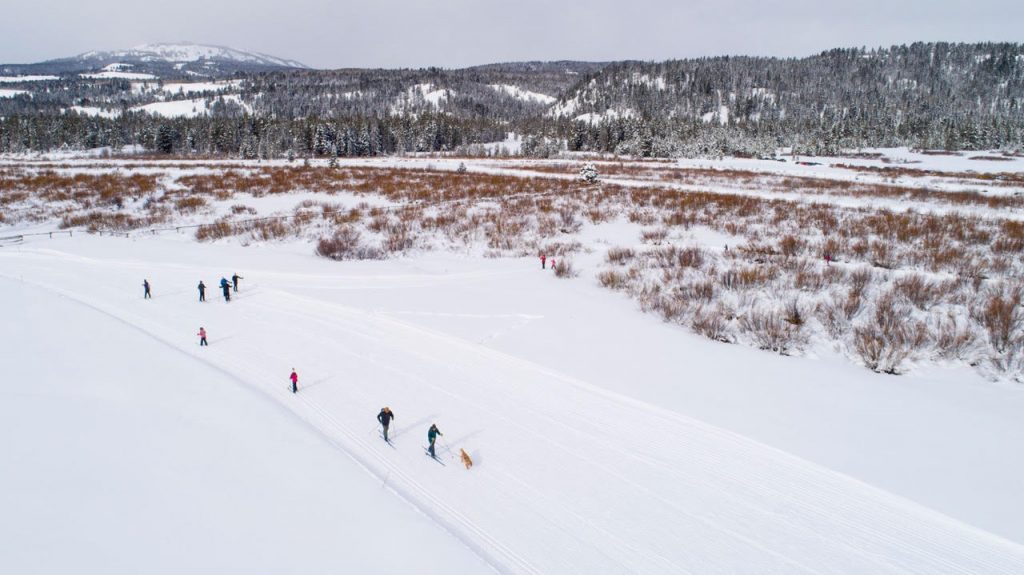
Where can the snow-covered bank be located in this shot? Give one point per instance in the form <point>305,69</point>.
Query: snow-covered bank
<point>551,386</point>
<point>121,454</point>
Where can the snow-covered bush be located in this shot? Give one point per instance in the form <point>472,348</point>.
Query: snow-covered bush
<point>890,336</point>
<point>589,174</point>
<point>771,331</point>
<point>713,323</point>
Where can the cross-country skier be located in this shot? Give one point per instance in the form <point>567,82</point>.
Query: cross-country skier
<point>295,381</point>
<point>384,417</point>
<point>552,264</point>
<point>225,286</point>
<point>202,291</point>
<point>234,281</point>
<point>145,290</point>
<point>202,337</point>
<point>543,261</point>
<point>432,437</point>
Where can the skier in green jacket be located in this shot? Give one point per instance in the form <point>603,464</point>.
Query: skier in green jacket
<point>432,437</point>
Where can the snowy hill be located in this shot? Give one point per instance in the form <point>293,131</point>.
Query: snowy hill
<point>186,52</point>
<point>177,60</point>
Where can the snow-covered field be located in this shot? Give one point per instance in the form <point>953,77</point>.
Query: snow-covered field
<point>12,79</point>
<point>604,440</point>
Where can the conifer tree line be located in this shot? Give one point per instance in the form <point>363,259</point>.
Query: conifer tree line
<point>925,95</point>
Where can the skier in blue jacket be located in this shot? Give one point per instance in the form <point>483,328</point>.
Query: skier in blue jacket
<point>225,287</point>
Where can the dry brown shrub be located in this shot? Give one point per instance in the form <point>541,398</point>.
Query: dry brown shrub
<point>999,313</point>
<point>547,226</point>
<point>699,290</point>
<point>379,222</point>
<point>563,269</point>
<point>794,313</point>
<point>100,221</point>
<point>619,256</point>
<point>653,236</point>
<point>831,316</point>
<point>671,307</point>
<point>398,237</point>
<point>832,248</point>
<point>675,257</point>
<point>217,230</point>
<point>808,279</point>
<point>612,279</point>
<point>567,222</point>
<point>860,279</point>
<point>882,255</point>
<point>712,323</point>
<point>561,248</point>
<point>889,337</point>
<point>269,229</point>
<point>346,244</point>
<point>599,215</point>
<point>852,304</point>
<point>955,339</point>
<point>747,277</point>
<point>1011,238</point>
<point>860,248</point>
<point>240,209</point>
<point>918,290</point>
<point>770,331</point>
<point>790,245</point>
<point>642,217</point>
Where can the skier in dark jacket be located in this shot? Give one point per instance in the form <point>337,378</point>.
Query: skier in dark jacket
<point>432,437</point>
<point>225,286</point>
<point>202,291</point>
<point>384,417</point>
<point>145,290</point>
<point>234,281</point>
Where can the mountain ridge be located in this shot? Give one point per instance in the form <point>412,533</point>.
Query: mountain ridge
<point>165,59</point>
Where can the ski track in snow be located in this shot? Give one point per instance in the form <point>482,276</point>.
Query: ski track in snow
<point>570,478</point>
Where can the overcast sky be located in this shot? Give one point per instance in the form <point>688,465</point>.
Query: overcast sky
<point>456,33</point>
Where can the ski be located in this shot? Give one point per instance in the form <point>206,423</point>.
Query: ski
<point>388,441</point>
<point>434,457</point>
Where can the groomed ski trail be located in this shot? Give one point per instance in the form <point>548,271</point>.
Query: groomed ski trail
<point>570,478</point>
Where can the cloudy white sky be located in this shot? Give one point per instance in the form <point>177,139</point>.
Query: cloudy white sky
<point>456,33</point>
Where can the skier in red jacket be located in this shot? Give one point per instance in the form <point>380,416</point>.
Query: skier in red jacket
<point>543,261</point>
<point>202,337</point>
<point>295,381</point>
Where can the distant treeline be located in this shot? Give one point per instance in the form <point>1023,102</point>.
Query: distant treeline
<point>926,95</point>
